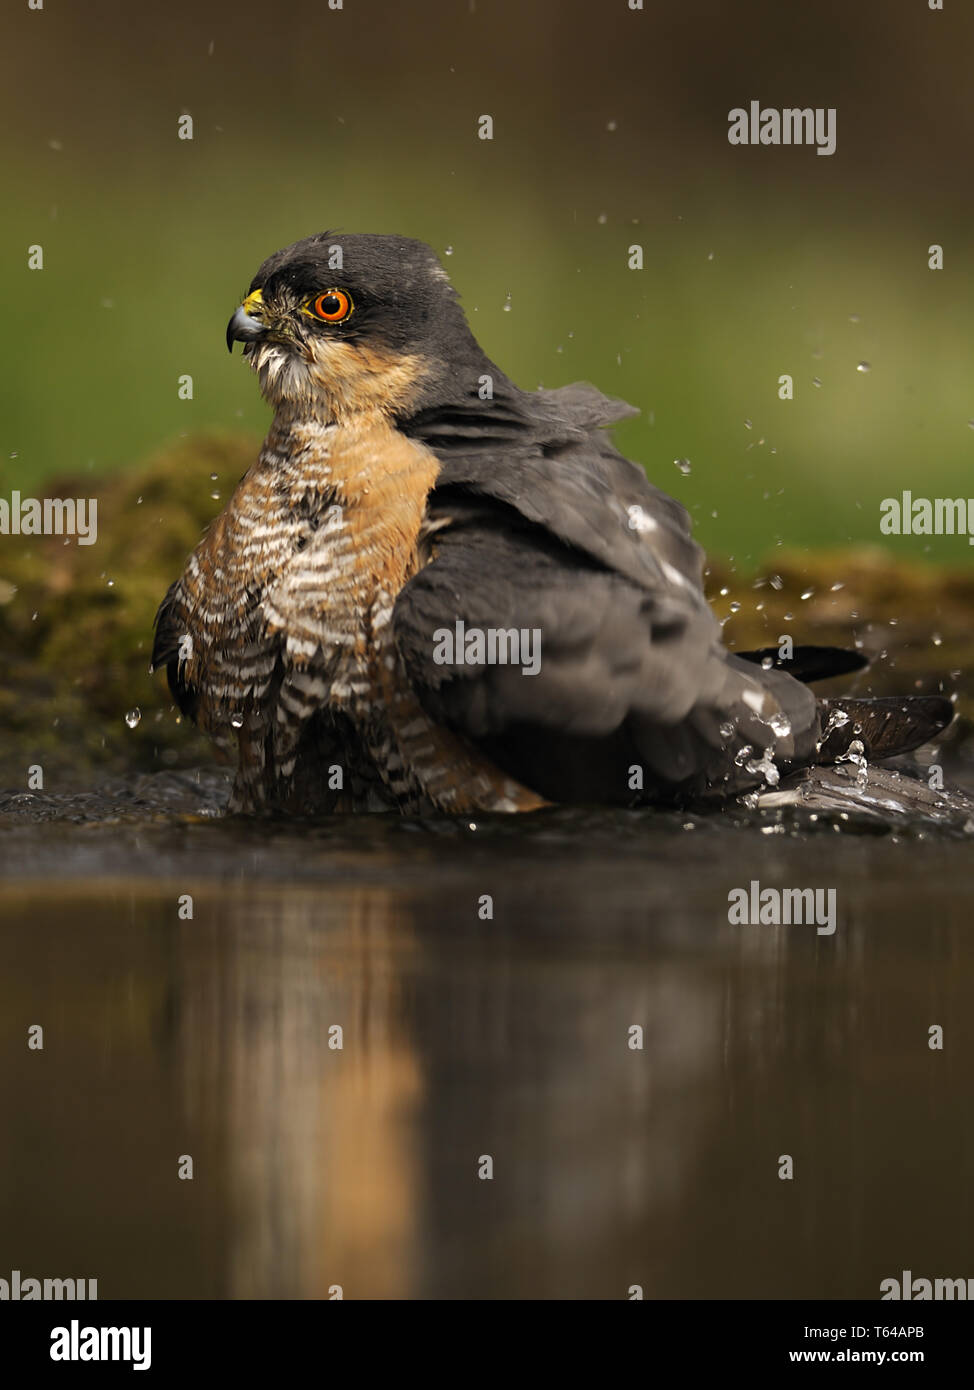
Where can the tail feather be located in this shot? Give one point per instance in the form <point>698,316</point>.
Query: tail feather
<point>885,725</point>
<point>809,663</point>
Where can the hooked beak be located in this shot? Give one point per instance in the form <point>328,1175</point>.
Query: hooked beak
<point>243,327</point>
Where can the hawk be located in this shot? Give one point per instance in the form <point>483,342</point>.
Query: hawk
<point>436,590</point>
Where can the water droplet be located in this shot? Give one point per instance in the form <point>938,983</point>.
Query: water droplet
<point>816,381</point>
<point>854,753</point>
<point>727,730</point>
<point>853,318</point>
<point>448,250</point>
<point>724,592</point>
<point>764,768</point>
<point>612,125</point>
<point>767,662</point>
<point>863,367</point>
<point>734,607</point>
<point>215,496</point>
<point>742,755</point>
<point>507,304</point>
<point>683,465</point>
<point>807,593</point>
<point>236,721</point>
<point>937,640</point>
<point>212,477</point>
<point>133,717</point>
<point>781,725</point>
<point>748,425</point>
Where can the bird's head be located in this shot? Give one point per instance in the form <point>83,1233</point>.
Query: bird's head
<point>337,326</point>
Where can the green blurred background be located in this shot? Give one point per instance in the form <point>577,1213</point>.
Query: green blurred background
<point>610,129</point>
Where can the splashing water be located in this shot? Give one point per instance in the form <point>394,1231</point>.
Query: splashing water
<point>856,754</point>
<point>765,767</point>
<point>837,719</point>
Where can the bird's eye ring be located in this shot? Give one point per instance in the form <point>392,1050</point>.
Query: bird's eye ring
<point>333,306</point>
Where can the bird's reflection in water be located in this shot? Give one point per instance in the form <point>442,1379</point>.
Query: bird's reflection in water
<point>461,1039</point>
<point>509,1037</point>
<point>294,1043</point>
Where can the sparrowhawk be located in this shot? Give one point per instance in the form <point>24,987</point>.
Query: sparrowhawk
<point>353,626</point>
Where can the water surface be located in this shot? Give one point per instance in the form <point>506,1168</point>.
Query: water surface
<point>463,1037</point>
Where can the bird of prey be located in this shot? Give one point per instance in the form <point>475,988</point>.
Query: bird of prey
<point>435,590</point>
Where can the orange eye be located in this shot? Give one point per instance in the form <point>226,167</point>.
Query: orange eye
<point>333,306</point>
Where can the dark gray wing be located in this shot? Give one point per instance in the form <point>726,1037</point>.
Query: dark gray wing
<point>539,525</point>
<point>561,471</point>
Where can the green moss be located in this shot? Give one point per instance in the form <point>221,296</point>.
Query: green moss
<point>76,621</point>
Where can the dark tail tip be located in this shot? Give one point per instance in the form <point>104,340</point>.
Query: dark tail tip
<point>887,725</point>
<point>809,663</point>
